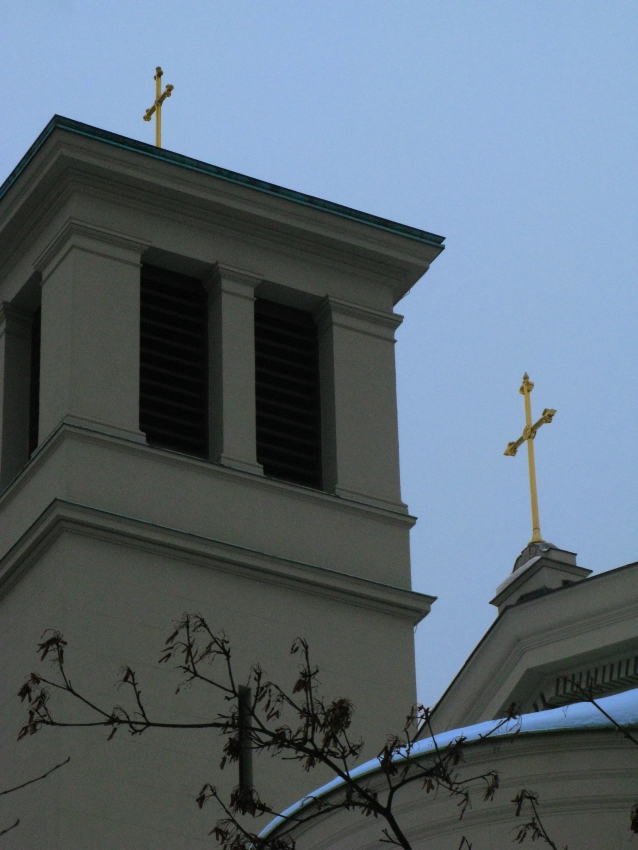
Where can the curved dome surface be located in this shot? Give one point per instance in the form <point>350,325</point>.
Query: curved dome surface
<point>577,717</point>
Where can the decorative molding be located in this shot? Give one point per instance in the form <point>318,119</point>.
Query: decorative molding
<point>557,571</point>
<point>142,182</point>
<point>516,643</point>
<point>61,516</point>
<point>242,465</point>
<point>357,496</point>
<point>79,234</point>
<point>105,428</point>
<point>366,320</point>
<point>225,278</point>
<point>128,445</point>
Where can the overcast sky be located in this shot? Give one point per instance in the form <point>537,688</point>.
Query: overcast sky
<point>508,127</point>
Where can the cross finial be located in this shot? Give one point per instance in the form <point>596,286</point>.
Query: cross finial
<point>529,432</point>
<point>157,106</point>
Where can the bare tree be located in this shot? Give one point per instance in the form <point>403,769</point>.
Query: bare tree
<point>261,716</point>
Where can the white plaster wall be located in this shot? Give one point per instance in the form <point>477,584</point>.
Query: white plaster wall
<point>115,605</point>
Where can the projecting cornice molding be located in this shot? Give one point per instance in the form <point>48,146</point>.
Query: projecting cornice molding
<point>70,159</point>
<point>365,320</point>
<point>62,516</point>
<point>88,237</point>
<point>93,435</point>
<point>58,122</point>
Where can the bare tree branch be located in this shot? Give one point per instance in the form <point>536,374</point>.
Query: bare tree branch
<point>588,696</point>
<point>295,724</point>
<point>24,785</point>
<point>9,828</point>
<point>37,778</point>
<point>534,828</point>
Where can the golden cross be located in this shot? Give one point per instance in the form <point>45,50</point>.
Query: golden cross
<point>157,106</point>
<point>529,432</point>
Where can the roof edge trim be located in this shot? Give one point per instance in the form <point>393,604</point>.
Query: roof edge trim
<point>576,717</point>
<point>59,122</point>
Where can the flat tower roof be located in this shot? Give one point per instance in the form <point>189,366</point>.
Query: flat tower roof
<point>68,124</point>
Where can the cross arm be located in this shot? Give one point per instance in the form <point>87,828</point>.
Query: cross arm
<point>167,93</point>
<point>529,432</point>
<point>160,100</point>
<point>546,417</point>
<point>512,448</point>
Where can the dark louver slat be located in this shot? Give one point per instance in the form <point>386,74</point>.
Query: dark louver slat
<point>173,362</point>
<point>34,382</point>
<point>287,393</point>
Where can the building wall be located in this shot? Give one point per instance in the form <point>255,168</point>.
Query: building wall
<point>115,602</point>
<point>109,540</point>
<point>585,781</point>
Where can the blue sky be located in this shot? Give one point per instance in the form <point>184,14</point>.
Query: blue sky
<point>508,127</point>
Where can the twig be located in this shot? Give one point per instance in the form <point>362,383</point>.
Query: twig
<point>37,779</point>
<point>535,827</point>
<point>9,828</point>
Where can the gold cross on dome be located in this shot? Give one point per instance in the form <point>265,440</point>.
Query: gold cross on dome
<point>157,106</point>
<point>529,432</point>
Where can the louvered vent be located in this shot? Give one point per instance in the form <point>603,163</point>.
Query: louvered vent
<point>287,393</point>
<point>173,362</point>
<point>34,382</point>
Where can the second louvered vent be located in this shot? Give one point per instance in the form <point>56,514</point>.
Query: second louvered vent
<point>287,393</point>
<point>173,362</point>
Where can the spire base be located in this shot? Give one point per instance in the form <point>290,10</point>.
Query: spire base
<point>540,568</point>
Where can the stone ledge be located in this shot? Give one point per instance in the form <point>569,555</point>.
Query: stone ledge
<point>61,516</point>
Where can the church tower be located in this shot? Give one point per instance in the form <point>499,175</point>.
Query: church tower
<point>197,413</point>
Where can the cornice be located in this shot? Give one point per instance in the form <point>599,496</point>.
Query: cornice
<point>80,234</point>
<point>396,253</point>
<point>58,122</point>
<point>365,320</point>
<point>515,582</point>
<point>259,231</point>
<point>64,516</point>
<point>503,648</point>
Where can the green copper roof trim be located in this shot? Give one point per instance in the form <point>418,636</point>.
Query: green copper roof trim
<point>60,123</point>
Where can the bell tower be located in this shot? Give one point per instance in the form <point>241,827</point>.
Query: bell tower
<point>198,413</point>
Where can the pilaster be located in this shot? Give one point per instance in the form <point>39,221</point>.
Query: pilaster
<point>231,338</point>
<point>90,349</point>
<point>358,403</point>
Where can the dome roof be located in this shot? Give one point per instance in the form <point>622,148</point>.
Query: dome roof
<point>578,716</point>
